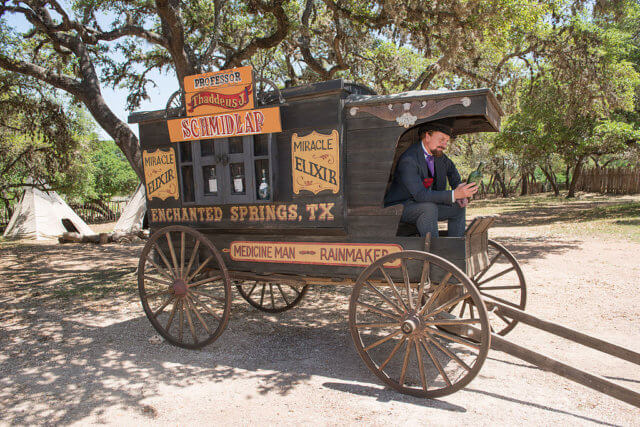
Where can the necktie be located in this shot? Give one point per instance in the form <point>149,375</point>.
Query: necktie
<point>429,159</point>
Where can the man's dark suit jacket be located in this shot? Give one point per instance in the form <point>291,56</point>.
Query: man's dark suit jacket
<point>410,172</point>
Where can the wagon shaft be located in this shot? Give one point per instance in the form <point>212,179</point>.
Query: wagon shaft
<point>587,379</point>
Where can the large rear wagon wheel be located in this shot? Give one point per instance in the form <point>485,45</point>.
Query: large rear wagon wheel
<point>403,331</point>
<point>272,297</point>
<point>184,287</point>
<point>503,280</point>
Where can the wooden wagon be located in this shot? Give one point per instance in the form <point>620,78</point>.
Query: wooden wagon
<point>276,192</point>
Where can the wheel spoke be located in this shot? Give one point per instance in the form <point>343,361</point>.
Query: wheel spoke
<point>436,362</point>
<point>384,297</point>
<point>182,254</point>
<point>451,322</point>
<point>195,273</point>
<point>405,362</point>
<point>173,253</point>
<point>282,293</point>
<point>171,316</point>
<point>463,307</point>
<point>454,338</point>
<point>482,273</point>
<point>423,378</point>
<point>273,301</point>
<point>205,306</point>
<point>434,295</point>
<point>161,270</point>
<point>504,319</point>
<point>382,340</point>
<point>495,276</point>
<point>379,310</point>
<point>203,281</point>
<point>294,288</point>
<point>407,284</point>
<point>181,318</point>
<point>448,304</point>
<point>504,301</point>
<point>424,277</point>
<point>202,322</point>
<point>205,294</point>
<point>450,354</point>
<point>496,288</point>
<point>166,303</point>
<point>158,280</point>
<point>193,330</point>
<point>393,352</point>
<point>192,258</point>
<point>377,325</point>
<point>252,289</point>
<point>157,294</point>
<point>262,294</point>
<point>393,287</point>
<point>164,258</point>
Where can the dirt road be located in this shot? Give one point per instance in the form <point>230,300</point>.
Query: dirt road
<point>75,348</point>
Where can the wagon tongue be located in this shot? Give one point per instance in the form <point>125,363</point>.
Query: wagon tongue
<point>179,287</point>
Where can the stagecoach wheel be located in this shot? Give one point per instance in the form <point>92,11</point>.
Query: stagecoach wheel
<point>503,281</point>
<point>272,297</point>
<point>175,105</point>
<point>184,287</point>
<point>412,343</point>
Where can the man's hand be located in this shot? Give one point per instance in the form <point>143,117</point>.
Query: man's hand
<point>464,190</point>
<point>462,202</point>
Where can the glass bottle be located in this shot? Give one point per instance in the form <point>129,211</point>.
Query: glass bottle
<point>263,188</point>
<point>476,175</point>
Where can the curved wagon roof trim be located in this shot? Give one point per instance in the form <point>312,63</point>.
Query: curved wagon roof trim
<point>420,95</point>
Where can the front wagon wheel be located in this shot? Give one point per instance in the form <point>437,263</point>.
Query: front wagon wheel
<point>184,287</point>
<point>400,325</point>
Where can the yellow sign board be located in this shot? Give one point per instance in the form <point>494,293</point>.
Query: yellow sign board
<point>339,254</point>
<point>251,122</point>
<point>315,162</point>
<point>218,79</point>
<point>160,174</point>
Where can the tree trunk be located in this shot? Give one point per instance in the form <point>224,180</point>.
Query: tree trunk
<point>566,177</point>
<point>525,184</point>
<point>503,186</point>
<point>574,179</point>
<point>551,179</point>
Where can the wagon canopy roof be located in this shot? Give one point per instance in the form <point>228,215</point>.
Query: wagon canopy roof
<point>469,111</point>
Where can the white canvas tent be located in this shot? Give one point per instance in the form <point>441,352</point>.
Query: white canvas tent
<point>40,215</point>
<point>132,217</point>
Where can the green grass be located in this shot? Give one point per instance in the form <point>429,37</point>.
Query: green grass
<point>587,214</point>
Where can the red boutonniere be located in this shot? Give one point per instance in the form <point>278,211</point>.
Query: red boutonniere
<point>427,182</point>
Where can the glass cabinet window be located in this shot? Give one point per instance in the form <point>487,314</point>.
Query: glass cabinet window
<point>210,180</point>
<point>227,170</point>
<point>187,183</point>
<point>261,145</point>
<point>263,181</point>
<point>235,145</point>
<point>207,148</point>
<point>238,182</point>
<point>185,152</point>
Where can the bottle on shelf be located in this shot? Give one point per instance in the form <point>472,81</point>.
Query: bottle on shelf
<point>476,175</point>
<point>263,188</point>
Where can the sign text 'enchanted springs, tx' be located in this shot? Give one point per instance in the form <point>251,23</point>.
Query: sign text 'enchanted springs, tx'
<point>251,122</point>
<point>339,254</point>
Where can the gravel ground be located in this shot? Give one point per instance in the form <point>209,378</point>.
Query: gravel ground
<point>74,353</point>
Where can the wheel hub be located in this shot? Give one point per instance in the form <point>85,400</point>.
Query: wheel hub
<point>179,287</point>
<point>411,324</point>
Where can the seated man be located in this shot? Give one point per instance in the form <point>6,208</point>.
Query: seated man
<point>420,180</point>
